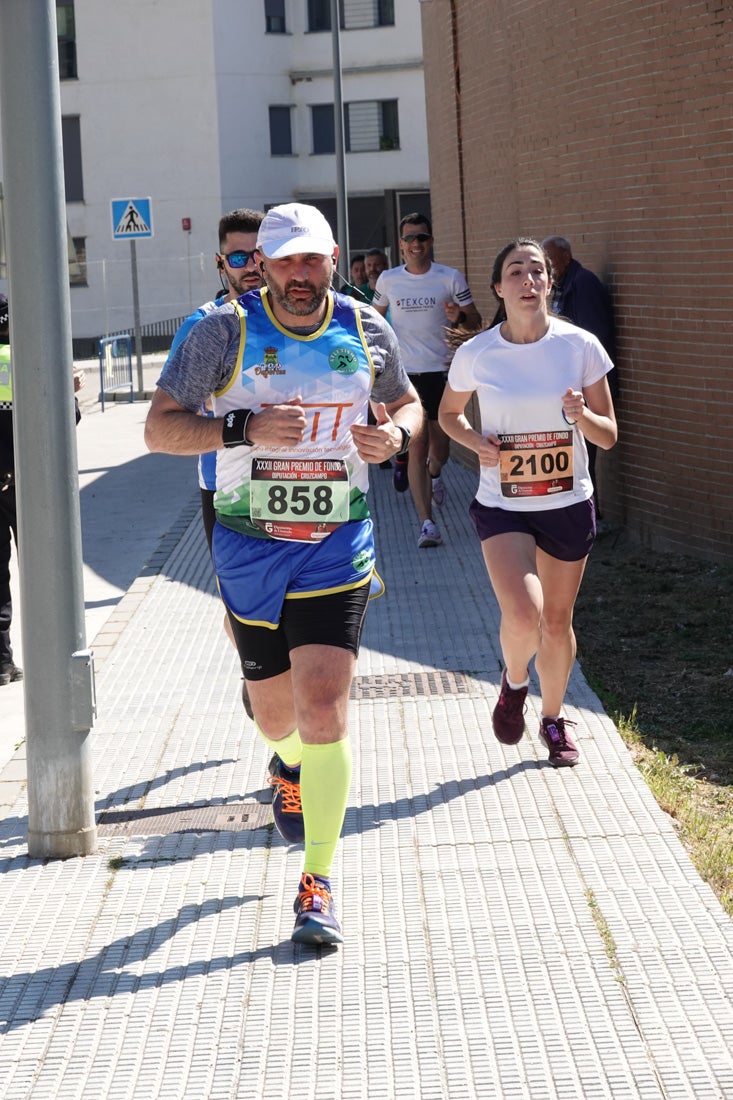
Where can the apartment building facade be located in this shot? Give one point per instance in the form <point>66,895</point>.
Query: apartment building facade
<point>202,106</point>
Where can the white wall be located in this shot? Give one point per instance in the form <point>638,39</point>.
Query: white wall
<point>173,98</point>
<point>145,94</point>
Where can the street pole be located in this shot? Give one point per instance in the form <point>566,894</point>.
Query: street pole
<point>342,207</point>
<point>58,672</point>
<point>136,320</point>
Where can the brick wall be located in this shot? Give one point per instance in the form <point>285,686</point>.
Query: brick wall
<point>610,123</point>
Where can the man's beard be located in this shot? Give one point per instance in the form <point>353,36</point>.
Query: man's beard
<point>244,283</point>
<point>300,307</point>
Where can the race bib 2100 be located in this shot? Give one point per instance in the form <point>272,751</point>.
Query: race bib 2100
<point>535,464</point>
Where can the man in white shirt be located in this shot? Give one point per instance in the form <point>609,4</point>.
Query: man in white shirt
<point>422,298</point>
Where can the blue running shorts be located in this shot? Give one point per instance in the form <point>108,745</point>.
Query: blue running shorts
<point>256,576</point>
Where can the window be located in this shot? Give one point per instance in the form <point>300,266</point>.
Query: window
<point>367,13</point>
<point>323,127</point>
<point>369,125</point>
<point>319,15</point>
<point>66,39</point>
<point>71,140</point>
<point>78,262</point>
<point>353,14</point>
<point>275,16</point>
<point>281,142</point>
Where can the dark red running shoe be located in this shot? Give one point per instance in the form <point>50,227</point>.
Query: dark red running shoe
<point>508,716</point>
<point>564,752</point>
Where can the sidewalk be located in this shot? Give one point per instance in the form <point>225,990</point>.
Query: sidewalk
<point>511,931</point>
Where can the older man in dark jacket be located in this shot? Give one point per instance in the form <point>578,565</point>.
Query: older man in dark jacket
<point>581,297</point>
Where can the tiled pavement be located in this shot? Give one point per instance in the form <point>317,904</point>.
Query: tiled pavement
<point>511,931</point>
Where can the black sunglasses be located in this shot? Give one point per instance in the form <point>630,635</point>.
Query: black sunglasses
<point>239,258</point>
<point>421,237</point>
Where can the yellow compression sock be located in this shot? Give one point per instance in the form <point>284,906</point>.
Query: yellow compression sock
<point>289,749</point>
<point>325,778</point>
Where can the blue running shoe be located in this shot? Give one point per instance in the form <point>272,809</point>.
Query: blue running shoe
<point>315,920</point>
<point>399,477</point>
<point>438,490</point>
<point>286,806</point>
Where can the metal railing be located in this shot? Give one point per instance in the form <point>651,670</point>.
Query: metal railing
<point>115,365</point>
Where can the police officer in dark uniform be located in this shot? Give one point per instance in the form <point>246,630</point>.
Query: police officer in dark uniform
<point>9,671</point>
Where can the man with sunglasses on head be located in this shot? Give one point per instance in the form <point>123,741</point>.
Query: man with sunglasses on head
<point>292,370</point>
<point>422,298</point>
<point>238,273</point>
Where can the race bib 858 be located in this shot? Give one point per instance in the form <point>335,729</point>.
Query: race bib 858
<point>299,499</point>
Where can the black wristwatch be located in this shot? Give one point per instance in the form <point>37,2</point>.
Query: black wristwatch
<point>406,437</point>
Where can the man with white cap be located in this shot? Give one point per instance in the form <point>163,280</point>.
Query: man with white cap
<point>291,370</point>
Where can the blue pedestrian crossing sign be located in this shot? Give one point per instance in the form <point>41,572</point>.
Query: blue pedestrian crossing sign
<point>131,219</point>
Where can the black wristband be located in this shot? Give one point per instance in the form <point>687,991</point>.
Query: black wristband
<point>234,432</point>
<point>406,437</point>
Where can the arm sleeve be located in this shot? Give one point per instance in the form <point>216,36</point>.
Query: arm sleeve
<point>204,361</point>
<point>596,361</point>
<point>390,377</point>
<point>381,294</point>
<point>460,373</point>
<point>183,330</point>
<point>461,294</point>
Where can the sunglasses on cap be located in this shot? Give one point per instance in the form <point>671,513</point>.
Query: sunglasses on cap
<point>239,258</point>
<point>421,237</point>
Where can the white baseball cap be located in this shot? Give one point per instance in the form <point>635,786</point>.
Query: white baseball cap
<point>293,228</point>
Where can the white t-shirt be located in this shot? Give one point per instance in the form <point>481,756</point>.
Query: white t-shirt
<point>544,461</point>
<point>417,315</point>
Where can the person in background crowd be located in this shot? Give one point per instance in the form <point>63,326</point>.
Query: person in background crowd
<point>581,297</point>
<point>238,272</point>
<point>10,672</point>
<point>357,270</point>
<point>357,275</point>
<point>375,262</point>
<point>542,393</point>
<point>422,297</point>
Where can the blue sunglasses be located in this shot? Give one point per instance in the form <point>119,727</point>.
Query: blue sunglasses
<point>239,259</point>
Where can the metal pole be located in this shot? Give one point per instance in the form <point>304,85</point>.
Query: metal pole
<point>105,297</point>
<point>58,682</point>
<point>136,318</point>
<point>342,209</point>
<point>188,272</point>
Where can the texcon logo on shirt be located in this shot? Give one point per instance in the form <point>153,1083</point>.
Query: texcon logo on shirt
<point>416,303</point>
